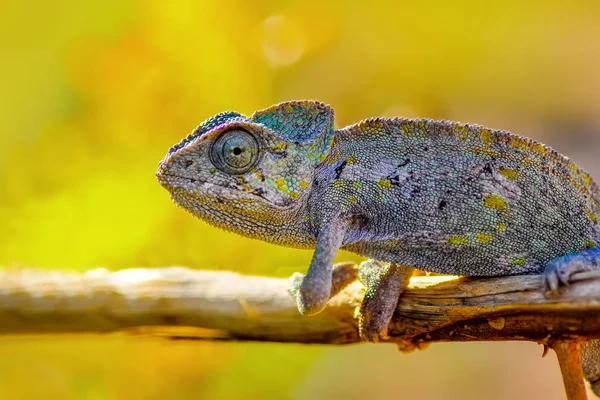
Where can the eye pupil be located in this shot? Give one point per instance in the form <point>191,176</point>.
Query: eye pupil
<point>234,151</point>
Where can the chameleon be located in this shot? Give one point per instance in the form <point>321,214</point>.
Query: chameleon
<point>434,195</point>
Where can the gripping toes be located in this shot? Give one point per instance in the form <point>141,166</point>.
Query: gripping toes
<point>384,283</point>
<point>559,270</point>
<point>342,275</point>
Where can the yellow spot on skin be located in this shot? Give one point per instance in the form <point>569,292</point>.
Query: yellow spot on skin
<point>338,183</point>
<point>281,184</point>
<point>501,227</point>
<point>279,147</point>
<point>377,125</point>
<point>259,174</point>
<point>593,217</point>
<point>573,168</point>
<point>484,237</point>
<point>303,184</point>
<point>518,262</point>
<point>486,136</point>
<point>486,152</point>
<point>508,173</point>
<point>495,201</point>
<point>356,185</point>
<point>384,184</point>
<point>590,244</point>
<point>351,160</point>
<point>394,242</point>
<point>212,170</point>
<point>539,149</point>
<point>458,240</point>
<point>406,128</point>
<point>353,199</point>
<point>294,195</point>
<point>520,143</point>
<point>587,180</point>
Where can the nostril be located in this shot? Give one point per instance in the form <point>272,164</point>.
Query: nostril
<point>188,163</point>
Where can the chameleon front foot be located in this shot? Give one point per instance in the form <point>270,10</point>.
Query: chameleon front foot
<point>342,275</point>
<point>384,283</point>
<point>559,270</point>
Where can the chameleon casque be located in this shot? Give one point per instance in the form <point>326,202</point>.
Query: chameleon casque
<point>408,193</point>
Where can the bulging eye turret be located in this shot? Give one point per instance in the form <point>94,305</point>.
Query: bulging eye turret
<point>235,151</point>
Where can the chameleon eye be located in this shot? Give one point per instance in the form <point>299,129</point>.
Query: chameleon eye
<point>235,151</point>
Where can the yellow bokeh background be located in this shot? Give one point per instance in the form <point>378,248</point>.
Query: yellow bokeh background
<point>94,93</point>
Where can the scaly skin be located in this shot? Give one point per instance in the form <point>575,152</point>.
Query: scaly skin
<point>415,193</point>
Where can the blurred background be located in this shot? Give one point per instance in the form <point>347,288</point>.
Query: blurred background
<point>94,93</point>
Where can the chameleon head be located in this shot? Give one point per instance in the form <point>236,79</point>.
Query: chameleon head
<point>251,175</point>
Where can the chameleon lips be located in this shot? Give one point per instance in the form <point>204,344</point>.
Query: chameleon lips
<point>190,187</point>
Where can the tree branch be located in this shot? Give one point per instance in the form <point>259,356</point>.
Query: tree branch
<point>183,303</point>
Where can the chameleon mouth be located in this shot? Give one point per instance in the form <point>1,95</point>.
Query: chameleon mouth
<point>195,187</point>
<point>211,193</point>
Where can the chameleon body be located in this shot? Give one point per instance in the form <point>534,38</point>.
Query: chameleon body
<point>409,193</point>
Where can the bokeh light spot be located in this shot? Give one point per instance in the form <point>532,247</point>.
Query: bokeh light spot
<point>282,41</point>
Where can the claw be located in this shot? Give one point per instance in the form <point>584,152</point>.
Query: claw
<point>374,336</point>
<point>558,271</point>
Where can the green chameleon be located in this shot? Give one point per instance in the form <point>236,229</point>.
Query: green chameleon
<point>408,193</point>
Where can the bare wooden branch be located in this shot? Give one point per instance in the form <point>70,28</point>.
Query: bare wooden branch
<point>569,359</point>
<point>179,302</point>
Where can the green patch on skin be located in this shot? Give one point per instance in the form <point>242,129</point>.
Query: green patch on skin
<point>508,173</point>
<point>294,195</point>
<point>484,237</point>
<point>593,217</point>
<point>351,160</point>
<point>384,184</point>
<point>496,202</point>
<point>458,240</point>
<point>353,199</point>
<point>518,262</point>
<point>590,244</point>
<point>212,170</point>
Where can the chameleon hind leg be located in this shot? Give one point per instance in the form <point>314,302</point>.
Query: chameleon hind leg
<point>590,360</point>
<point>384,283</point>
<point>559,270</point>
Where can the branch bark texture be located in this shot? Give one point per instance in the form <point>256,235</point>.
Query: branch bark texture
<point>183,303</point>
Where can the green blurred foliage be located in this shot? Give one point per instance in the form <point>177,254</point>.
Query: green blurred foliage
<point>93,95</point>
